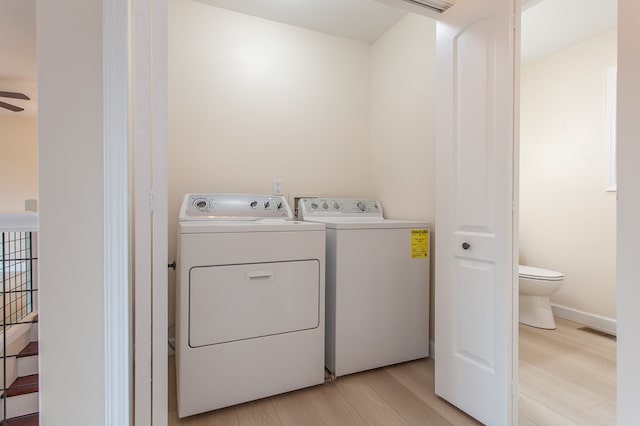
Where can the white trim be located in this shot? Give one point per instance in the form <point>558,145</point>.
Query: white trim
<point>14,332</point>
<point>19,222</point>
<point>597,322</point>
<point>116,212</point>
<point>628,211</point>
<point>159,125</point>
<point>151,246</point>
<point>515,214</point>
<point>610,138</point>
<point>432,349</point>
<point>142,229</point>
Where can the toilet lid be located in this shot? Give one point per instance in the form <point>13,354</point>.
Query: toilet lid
<point>538,273</point>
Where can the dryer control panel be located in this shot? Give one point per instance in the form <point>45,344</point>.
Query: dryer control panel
<point>234,207</point>
<point>339,207</point>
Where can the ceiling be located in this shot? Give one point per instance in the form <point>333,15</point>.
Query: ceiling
<point>547,26</point>
<point>551,25</point>
<point>362,20</point>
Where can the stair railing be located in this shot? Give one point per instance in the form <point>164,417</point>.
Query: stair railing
<point>18,267</point>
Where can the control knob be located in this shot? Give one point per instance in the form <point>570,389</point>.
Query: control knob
<point>201,204</point>
<point>325,205</point>
<point>280,205</point>
<point>267,204</point>
<point>336,206</point>
<point>254,204</point>
<point>314,206</point>
<point>361,206</point>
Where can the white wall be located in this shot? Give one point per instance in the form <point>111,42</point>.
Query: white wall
<point>628,212</point>
<point>403,119</point>
<point>251,100</point>
<point>567,220</point>
<point>18,161</point>
<point>72,364</point>
<point>403,122</point>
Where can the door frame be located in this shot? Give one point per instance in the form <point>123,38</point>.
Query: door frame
<point>628,345</point>
<point>148,91</point>
<point>118,349</point>
<point>628,210</point>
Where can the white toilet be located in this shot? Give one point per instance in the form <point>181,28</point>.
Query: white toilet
<point>536,285</point>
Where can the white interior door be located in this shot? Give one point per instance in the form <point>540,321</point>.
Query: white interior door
<point>475,267</point>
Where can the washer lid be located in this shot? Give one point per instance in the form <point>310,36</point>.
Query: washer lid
<point>539,273</point>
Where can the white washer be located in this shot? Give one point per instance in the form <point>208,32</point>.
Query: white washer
<point>377,284</point>
<point>250,301</point>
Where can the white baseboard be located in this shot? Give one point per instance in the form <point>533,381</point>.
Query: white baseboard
<point>597,322</point>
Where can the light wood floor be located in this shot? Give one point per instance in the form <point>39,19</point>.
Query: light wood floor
<point>567,376</point>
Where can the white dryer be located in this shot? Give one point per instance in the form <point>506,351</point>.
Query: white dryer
<point>249,301</point>
<point>377,280</point>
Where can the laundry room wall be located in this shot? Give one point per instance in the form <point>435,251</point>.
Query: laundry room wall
<point>403,122</point>
<point>18,161</point>
<point>567,220</point>
<point>403,118</point>
<point>251,100</point>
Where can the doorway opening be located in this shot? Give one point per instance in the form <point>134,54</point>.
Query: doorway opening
<point>568,210</point>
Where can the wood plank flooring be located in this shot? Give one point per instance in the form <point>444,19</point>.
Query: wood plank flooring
<point>397,395</point>
<point>567,377</point>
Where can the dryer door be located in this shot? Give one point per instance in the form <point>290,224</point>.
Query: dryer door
<point>237,302</point>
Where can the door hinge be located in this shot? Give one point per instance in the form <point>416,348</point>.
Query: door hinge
<point>151,203</point>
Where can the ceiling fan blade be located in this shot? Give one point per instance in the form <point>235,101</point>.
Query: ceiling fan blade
<point>14,95</point>
<point>10,107</point>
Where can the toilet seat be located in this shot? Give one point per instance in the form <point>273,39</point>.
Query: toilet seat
<point>533,273</point>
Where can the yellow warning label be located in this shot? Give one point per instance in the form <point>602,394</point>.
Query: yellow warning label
<point>419,243</point>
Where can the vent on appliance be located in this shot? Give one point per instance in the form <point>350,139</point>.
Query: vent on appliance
<point>434,5</point>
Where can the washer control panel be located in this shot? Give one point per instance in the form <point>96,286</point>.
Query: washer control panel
<point>339,207</point>
<point>234,207</point>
